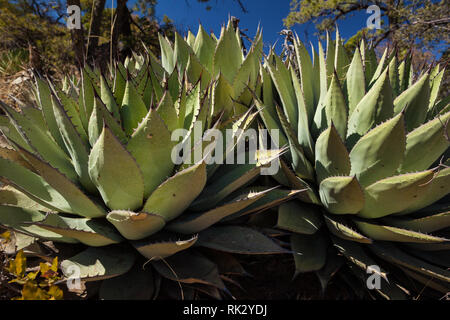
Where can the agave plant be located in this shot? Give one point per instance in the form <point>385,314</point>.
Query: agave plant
<point>219,59</point>
<point>92,164</point>
<point>369,142</point>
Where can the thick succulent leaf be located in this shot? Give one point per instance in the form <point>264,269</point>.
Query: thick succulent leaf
<point>20,219</point>
<point>387,290</point>
<point>355,82</point>
<point>34,115</point>
<point>319,122</point>
<point>315,78</point>
<point>108,98</point>
<point>335,108</point>
<point>430,223</point>
<point>167,112</point>
<point>283,83</point>
<point>404,73</point>
<point>223,94</point>
<point>181,105</point>
<point>197,73</point>
<point>435,84</point>
<point>309,195</point>
<point>13,197</point>
<point>235,136</point>
<point>173,87</point>
<point>181,52</point>
<point>425,144</point>
<point>432,191</point>
<point>156,66</point>
<point>303,134</point>
<point>119,83</point>
<point>267,102</point>
<point>246,77</point>
<point>195,222</point>
<point>442,107</point>
<point>203,146</point>
<point>394,75</point>
<point>199,269</point>
<point>55,186</point>
<point>104,116</point>
<point>322,75</point>
<point>115,173</point>
<point>380,67</point>
<point>429,246</point>
<point>438,258</point>
<point>77,147</point>
<point>273,198</point>
<point>151,146</point>
<point>12,134</point>
<point>310,252</point>
<point>137,284</point>
<point>91,232</point>
<point>135,226</point>
<point>299,218</point>
<point>237,239</point>
<point>33,185</point>
<point>306,73</point>
<point>388,233</point>
<point>228,54</point>
<point>45,102</point>
<point>204,47</point>
<point>174,195</point>
<point>301,164</point>
<point>394,255</point>
<point>167,56</point>
<point>71,107</point>
<point>341,60</point>
<point>14,156</point>
<point>415,101</point>
<point>98,263</point>
<point>393,194</point>
<point>332,157</point>
<point>374,108</point>
<point>141,80</point>
<point>93,75</point>
<point>268,114</point>
<point>41,142</point>
<point>404,193</point>
<point>341,229</point>
<point>330,55</point>
<point>133,109</point>
<point>234,176</point>
<point>193,105</point>
<point>379,153</point>
<point>341,195</point>
<point>428,281</point>
<point>356,255</point>
<point>370,64</point>
<point>229,178</point>
<point>163,245</point>
<point>147,89</point>
<point>96,124</point>
<point>86,98</point>
<point>154,86</point>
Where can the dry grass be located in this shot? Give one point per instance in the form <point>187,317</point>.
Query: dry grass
<point>18,86</point>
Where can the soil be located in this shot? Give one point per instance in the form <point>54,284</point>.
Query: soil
<point>272,280</point>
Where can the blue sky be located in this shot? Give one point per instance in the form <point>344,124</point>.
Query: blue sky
<point>269,13</point>
<point>187,14</point>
